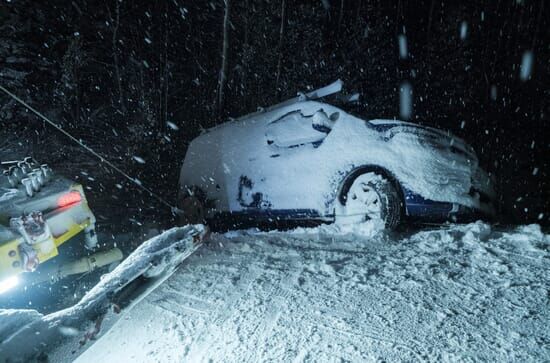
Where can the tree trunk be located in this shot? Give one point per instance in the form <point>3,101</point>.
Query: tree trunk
<point>281,36</point>
<point>430,17</point>
<point>115,56</point>
<point>246,21</point>
<point>341,16</point>
<point>223,72</point>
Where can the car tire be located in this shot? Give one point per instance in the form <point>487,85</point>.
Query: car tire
<point>372,196</point>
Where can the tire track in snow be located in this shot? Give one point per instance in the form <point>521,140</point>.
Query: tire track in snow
<point>279,297</point>
<point>285,297</point>
<point>370,332</point>
<point>338,318</point>
<point>203,340</point>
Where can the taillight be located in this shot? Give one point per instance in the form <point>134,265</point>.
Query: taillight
<point>68,199</point>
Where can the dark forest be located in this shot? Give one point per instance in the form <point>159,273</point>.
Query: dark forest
<point>137,80</point>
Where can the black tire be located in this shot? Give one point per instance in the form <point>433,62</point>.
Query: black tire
<point>391,209</point>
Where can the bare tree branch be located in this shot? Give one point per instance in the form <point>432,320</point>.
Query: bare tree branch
<point>281,36</point>
<point>225,46</point>
<point>115,54</point>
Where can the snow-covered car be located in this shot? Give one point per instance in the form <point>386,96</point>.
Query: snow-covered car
<point>310,160</point>
<point>39,214</point>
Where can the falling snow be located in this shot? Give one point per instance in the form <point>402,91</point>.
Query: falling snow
<point>405,101</point>
<point>526,66</point>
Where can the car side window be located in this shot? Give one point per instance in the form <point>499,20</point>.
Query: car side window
<point>295,129</point>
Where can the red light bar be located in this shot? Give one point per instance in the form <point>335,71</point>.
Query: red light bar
<point>68,199</point>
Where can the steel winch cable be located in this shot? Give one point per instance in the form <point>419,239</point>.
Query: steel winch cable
<point>91,151</point>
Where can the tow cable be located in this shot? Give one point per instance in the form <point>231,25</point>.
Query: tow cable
<point>135,181</point>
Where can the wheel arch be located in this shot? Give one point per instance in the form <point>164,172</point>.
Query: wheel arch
<point>348,180</point>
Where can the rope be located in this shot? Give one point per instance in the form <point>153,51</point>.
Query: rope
<point>101,158</point>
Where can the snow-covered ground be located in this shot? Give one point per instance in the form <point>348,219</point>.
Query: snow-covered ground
<point>454,293</point>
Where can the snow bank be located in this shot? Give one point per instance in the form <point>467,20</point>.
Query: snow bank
<point>454,293</point>
<point>370,228</point>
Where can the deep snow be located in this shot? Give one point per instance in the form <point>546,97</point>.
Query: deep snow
<point>347,293</point>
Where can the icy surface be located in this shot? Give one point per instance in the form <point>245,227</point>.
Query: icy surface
<point>347,293</point>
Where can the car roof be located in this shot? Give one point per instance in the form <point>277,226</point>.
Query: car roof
<point>264,115</point>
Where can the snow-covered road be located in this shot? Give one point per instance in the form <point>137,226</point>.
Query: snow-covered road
<point>456,293</point>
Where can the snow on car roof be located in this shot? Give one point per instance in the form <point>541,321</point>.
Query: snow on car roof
<point>307,106</point>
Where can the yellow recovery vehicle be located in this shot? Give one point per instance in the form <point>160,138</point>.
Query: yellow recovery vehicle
<point>40,214</point>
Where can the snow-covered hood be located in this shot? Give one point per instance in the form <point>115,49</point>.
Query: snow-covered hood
<point>435,137</point>
<point>446,142</point>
